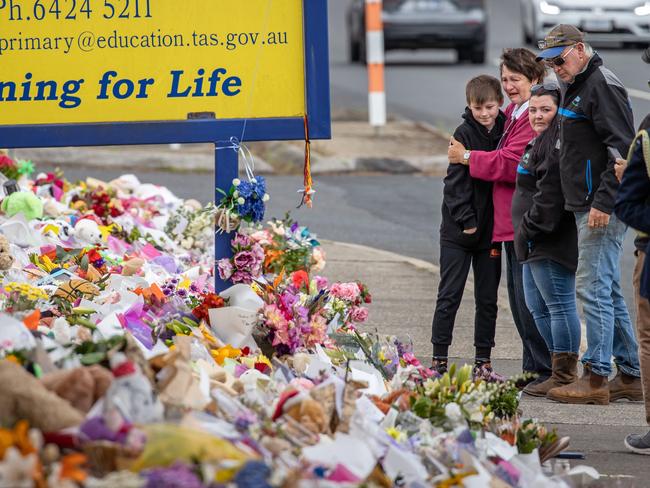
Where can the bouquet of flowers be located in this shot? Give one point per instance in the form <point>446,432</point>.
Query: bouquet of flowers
<point>245,201</point>
<point>20,297</point>
<point>103,202</point>
<point>192,228</point>
<point>246,263</point>
<point>290,247</point>
<point>345,304</point>
<point>456,399</point>
<point>293,316</point>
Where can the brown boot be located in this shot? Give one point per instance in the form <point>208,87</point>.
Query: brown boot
<point>565,371</point>
<point>625,386</point>
<point>591,388</point>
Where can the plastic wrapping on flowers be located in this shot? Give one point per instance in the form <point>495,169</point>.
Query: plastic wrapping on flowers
<point>121,366</point>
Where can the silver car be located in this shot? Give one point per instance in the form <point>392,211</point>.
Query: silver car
<point>624,22</point>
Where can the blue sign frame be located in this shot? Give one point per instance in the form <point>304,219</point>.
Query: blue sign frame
<point>218,132</point>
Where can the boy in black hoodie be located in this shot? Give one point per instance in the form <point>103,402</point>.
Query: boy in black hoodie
<point>466,230</point>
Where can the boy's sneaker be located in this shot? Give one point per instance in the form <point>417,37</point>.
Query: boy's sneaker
<point>439,365</point>
<point>483,371</point>
<point>638,443</point>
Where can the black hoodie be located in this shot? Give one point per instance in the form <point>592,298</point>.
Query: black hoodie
<point>467,202</point>
<point>595,114</point>
<point>543,229</point>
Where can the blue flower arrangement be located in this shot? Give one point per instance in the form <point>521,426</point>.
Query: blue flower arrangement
<point>245,201</point>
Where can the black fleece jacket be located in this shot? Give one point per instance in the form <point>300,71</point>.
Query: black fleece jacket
<point>543,229</point>
<point>467,202</point>
<point>595,114</point>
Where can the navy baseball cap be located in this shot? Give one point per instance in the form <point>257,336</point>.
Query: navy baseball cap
<point>561,36</point>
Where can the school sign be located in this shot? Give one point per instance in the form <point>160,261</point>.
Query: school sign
<point>103,72</point>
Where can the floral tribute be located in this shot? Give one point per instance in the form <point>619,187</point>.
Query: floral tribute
<point>245,201</point>
<point>121,365</point>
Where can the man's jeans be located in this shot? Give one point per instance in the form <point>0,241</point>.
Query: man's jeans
<point>609,329</point>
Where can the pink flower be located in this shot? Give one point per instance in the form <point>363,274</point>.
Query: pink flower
<point>409,358</point>
<point>241,241</point>
<point>345,291</point>
<point>225,268</point>
<point>359,314</point>
<point>262,237</point>
<point>244,260</point>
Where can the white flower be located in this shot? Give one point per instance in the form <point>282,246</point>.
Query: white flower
<point>453,412</point>
<point>236,182</point>
<point>266,197</point>
<point>241,200</point>
<point>253,181</point>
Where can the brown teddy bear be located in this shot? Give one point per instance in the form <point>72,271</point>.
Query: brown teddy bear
<point>25,397</point>
<point>82,386</point>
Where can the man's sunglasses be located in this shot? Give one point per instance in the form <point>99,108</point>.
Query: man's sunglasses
<point>558,60</point>
<point>546,86</point>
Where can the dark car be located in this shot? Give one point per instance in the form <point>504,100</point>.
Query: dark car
<point>424,24</point>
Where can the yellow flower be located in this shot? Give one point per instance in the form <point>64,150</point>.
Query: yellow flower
<point>224,352</point>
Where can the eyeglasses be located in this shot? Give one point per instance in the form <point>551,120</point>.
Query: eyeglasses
<point>558,60</point>
<point>550,86</point>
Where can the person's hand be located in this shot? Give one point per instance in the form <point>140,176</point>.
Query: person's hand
<point>619,168</point>
<point>455,152</point>
<point>470,231</point>
<point>597,219</point>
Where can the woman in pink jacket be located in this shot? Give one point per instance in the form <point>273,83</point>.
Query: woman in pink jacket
<point>519,72</point>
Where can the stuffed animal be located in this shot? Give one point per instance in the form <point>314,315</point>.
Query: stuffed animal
<point>87,232</point>
<point>25,397</point>
<point>82,386</point>
<point>6,259</point>
<point>24,202</point>
<point>302,407</point>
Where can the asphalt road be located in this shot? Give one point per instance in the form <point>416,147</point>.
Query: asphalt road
<point>429,85</point>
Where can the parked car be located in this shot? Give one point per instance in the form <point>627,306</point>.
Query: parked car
<point>424,24</point>
<point>624,22</point>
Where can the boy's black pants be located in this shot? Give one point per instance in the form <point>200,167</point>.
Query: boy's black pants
<point>454,268</point>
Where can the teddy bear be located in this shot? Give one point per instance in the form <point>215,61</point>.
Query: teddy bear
<point>82,386</point>
<point>6,259</point>
<point>25,397</point>
<point>86,231</point>
<point>303,408</point>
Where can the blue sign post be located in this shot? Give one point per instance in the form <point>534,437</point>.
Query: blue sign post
<point>220,132</point>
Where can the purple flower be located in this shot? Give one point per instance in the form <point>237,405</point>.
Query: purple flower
<point>241,277</point>
<point>194,288</point>
<point>244,260</point>
<point>182,293</point>
<point>225,268</point>
<point>321,282</point>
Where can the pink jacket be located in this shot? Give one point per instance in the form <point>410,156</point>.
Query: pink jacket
<point>500,166</point>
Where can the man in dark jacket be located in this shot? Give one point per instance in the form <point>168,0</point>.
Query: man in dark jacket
<point>596,124</point>
<point>633,208</point>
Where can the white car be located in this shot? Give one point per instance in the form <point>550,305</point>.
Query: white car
<point>625,22</point>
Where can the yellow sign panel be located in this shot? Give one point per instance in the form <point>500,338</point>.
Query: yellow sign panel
<point>76,61</point>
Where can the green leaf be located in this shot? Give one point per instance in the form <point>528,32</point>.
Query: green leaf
<point>92,358</point>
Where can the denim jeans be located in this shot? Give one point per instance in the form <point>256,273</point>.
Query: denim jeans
<point>609,329</point>
<point>536,358</point>
<point>550,291</point>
